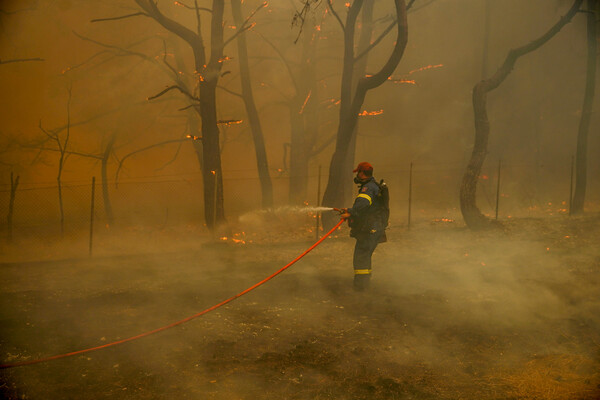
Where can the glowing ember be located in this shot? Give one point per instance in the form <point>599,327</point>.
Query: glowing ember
<point>228,122</point>
<point>305,101</point>
<point>412,81</point>
<point>370,113</point>
<point>409,81</point>
<point>237,238</point>
<point>194,137</point>
<point>425,68</point>
<point>443,220</point>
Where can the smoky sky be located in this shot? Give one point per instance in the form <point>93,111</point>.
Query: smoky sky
<point>426,115</point>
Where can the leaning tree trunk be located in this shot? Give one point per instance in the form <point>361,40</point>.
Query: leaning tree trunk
<point>248,97</point>
<point>360,69</point>
<point>468,190</point>
<point>350,104</point>
<point>586,112</point>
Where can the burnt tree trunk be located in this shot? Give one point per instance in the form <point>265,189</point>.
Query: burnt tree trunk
<point>468,190</point>
<point>253,118</point>
<point>207,73</point>
<point>360,69</point>
<point>351,103</point>
<point>586,111</point>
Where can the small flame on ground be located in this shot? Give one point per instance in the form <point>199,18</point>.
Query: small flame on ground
<point>370,113</point>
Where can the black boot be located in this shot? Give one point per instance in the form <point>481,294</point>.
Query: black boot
<point>361,282</point>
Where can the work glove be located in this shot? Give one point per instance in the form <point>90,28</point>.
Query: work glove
<point>344,214</point>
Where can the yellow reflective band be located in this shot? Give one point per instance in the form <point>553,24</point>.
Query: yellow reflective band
<point>366,196</point>
<point>362,272</point>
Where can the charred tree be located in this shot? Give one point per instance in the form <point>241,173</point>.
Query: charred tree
<point>360,69</point>
<point>251,110</point>
<point>586,110</point>
<point>351,99</point>
<point>468,190</point>
<point>61,144</point>
<point>208,70</point>
<point>303,106</point>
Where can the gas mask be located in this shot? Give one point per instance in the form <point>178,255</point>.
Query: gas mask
<point>359,181</point>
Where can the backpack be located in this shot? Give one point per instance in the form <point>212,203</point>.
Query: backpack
<point>384,201</point>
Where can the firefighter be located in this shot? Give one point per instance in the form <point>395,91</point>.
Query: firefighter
<point>365,222</point>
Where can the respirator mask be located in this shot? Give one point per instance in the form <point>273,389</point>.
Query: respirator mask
<point>359,181</point>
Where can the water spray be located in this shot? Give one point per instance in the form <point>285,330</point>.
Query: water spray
<point>258,215</point>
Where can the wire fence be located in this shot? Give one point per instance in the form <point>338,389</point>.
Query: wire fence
<point>161,203</point>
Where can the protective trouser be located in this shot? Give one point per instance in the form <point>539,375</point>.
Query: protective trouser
<point>366,242</point>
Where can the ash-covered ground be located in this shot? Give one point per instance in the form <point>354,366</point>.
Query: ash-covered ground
<point>510,313</point>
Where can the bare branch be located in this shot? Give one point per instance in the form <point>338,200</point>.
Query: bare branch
<point>193,39</point>
<point>169,66</point>
<point>185,92</point>
<point>285,62</point>
<point>421,5</point>
<point>178,3</point>
<point>229,91</point>
<point>144,149</point>
<point>121,17</point>
<point>75,153</point>
<point>50,135</point>
<point>301,15</point>
<point>335,14</point>
<point>117,48</point>
<point>245,25</point>
<point>376,42</point>
<point>21,60</point>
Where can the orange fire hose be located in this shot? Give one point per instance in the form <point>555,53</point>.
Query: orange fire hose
<point>141,335</point>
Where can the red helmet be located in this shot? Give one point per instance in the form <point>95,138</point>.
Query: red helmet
<point>364,167</point>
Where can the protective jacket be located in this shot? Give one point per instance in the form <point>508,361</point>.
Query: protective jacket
<point>365,214</point>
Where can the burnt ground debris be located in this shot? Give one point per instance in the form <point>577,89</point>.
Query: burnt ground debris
<point>511,313</point>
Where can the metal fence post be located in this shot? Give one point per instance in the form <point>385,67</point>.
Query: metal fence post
<point>92,214</point>
<point>410,193</point>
